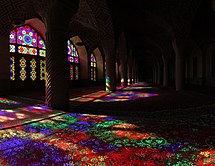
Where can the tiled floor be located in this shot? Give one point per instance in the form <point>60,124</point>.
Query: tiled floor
<point>119,129</point>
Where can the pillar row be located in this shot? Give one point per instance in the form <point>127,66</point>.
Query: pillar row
<point>123,73</point>
<point>179,66</point>
<point>165,73</point>
<point>110,59</point>
<point>57,20</point>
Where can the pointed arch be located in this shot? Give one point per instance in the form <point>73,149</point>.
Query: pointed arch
<point>93,72</point>
<point>73,59</point>
<point>27,48</point>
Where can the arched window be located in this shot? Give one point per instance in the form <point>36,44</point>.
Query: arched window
<point>73,59</point>
<point>27,54</point>
<point>93,67</point>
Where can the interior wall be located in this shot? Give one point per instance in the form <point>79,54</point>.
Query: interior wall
<point>83,57</point>
<point>38,25</point>
<point>100,66</point>
<point>195,67</point>
<point>210,75</point>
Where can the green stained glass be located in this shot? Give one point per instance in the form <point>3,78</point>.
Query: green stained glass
<point>33,73</point>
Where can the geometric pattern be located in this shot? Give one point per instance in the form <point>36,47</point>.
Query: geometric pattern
<point>24,40</point>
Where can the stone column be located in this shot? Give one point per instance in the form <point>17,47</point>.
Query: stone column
<point>155,74</point>
<point>129,74</point>
<point>57,66</point>
<point>123,55</point>
<point>158,73</point>
<point>179,66</point>
<point>123,73</point>
<point>130,61</point>
<point>165,72</point>
<point>133,72</point>
<point>110,59</point>
<point>4,65</point>
<point>117,72</point>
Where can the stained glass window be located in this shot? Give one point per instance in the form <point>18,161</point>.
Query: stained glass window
<point>28,47</point>
<point>93,67</point>
<point>13,36</point>
<point>41,43</point>
<point>33,73</point>
<point>12,68</point>
<point>73,59</point>
<point>22,65</point>
<point>12,48</point>
<point>26,36</point>
<point>26,42</point>
<point>42,69</point>
<point>71,72</point>
<point>27,50</point>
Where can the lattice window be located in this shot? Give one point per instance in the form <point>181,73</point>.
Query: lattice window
<point>93,67</point>
<point>12,68</point>
<point>25,42</point>
<point>73,59</point>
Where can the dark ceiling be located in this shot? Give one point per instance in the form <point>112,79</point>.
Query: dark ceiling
<point>160,22</point>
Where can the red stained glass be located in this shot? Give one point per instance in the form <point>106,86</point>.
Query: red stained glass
<point>27,50</point>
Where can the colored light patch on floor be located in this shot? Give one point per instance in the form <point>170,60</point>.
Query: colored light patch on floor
<point>124,96</point>
<point>83,139</point>
<point>137,88</point>
<point>72,145</point>
<point>18,116</point>
<point>9,102</point>
<point>140,84</point>
<point>90,97</point>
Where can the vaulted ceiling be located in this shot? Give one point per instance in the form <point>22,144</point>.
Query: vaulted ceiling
<point>149,26</point>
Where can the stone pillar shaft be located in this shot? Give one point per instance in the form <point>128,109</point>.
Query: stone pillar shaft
<point>4,65</point>
<point>179,67</point>
<point>123,74</point>
<point>57,68</point>
<point>57,21</point>
<point>110,59</point>
<point>165,73</point>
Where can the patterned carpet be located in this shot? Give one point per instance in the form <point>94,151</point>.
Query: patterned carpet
<point>78,139</point>
<point>172,137</point>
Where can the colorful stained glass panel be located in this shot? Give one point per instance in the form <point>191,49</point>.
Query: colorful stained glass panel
<point>70,58</point>
<point>42,69</point>
<point>93,59</point>
<point>22,65</point>
<point>71,72</point>
<point>91,73</point>
<point>12,48</point>
<point>42,53</point>
<point>41,43</point>
<point>27,50</point>
<point>76,60</point>
<point>69,47</point>
<point>33,73</point>
<point>76,73</point>
<point>12,68</point>
<point>26,36</point>
<point>13,36</point>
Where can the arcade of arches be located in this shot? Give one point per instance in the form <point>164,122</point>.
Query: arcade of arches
<point>106,82</point>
